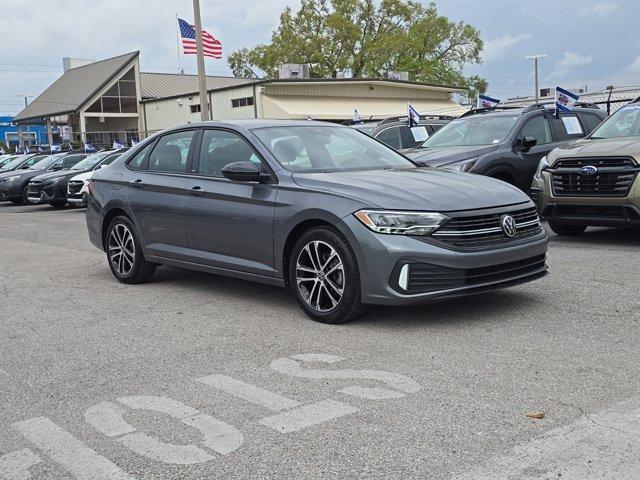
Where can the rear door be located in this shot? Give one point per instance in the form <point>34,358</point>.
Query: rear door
<point>156,193</point>
<point>229,224</point>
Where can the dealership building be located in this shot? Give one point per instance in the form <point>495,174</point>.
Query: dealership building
<point>108,100</point>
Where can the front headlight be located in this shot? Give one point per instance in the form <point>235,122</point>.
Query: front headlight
<point>543,165</point>
<point>12,179</point>
<point>463,166</point>
<point>401,223</point>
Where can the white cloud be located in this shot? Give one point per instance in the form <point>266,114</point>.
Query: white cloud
<point>496,47</point>
<point>599,9</point>
<point>569,62</point>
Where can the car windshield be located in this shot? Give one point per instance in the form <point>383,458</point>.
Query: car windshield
<point>91,161</point>
<point>47,162</point>
<point>69,161</point>
<point>319,148</point>
<point>624,123</point>
<point>14,163</point>
<point>111,159</point>
<point>474,130</point>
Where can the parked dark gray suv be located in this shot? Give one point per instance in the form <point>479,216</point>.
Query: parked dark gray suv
<point>336,216</point>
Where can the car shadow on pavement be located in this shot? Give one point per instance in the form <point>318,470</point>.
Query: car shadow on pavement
<point>621,237</point>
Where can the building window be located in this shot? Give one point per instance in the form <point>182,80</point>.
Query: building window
<point>195,108</point>
<point>120,98</point>
<point>242,102</point>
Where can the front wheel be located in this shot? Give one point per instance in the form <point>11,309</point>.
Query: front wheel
<point>324,276</point>
<point>567,230</point>
<point>124,254</point>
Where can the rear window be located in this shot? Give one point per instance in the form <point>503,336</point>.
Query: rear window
<point>568,126</point>
<point>590,121</point>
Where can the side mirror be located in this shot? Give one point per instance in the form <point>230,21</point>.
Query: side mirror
<point>525,144</point>
<point>56,168</point>
<point>244,172</point>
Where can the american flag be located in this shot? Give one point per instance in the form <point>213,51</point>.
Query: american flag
<point>212,46</point>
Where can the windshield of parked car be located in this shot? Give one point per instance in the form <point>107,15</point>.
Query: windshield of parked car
<point>6,160</point>
<point>91,161</point>
<point>319,148</point>
<point>16,162</point>
<point>623,123</point>
<point>47,162</point>
<point>472,131</point>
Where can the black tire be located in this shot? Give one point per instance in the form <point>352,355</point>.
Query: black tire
<point>140,270</point>
<point>567,230</point>
<point>25,194</point>
<point>330,306</point>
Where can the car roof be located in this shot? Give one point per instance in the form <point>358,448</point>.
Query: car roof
<point>259,123</point>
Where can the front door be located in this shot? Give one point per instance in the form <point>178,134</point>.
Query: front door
<point>229,224</point>
<point>156,193</point>
<point>537,127</point>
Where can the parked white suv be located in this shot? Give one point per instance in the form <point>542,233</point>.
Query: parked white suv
<point>78,186</point>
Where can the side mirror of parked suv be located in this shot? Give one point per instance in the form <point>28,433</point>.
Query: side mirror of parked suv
<point>525,144</point>
<point>245,171</point>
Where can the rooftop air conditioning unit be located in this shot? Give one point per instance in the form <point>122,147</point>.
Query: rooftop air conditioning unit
<point>395,75</point>
<point>293,70</point>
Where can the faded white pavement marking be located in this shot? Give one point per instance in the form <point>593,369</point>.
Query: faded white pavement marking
<point>218,436</point>
<point>15,465</point>
<point>397,382</point>
<point>307,415</point>
<point>604,446</point>
<point>65,449</point>
<point>249,392</point>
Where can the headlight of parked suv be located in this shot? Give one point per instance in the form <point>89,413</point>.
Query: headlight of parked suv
<point>401,223</point>
<point>543,165</point>
<point>463,166</point>
<point>11,179</point>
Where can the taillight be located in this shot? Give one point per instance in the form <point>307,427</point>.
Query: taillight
<point>90,188</point>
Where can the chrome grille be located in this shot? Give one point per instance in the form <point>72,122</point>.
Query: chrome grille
<point>613,178</point>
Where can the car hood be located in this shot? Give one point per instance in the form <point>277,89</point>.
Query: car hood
<point>436,157</point>
<point>83,176</point>
<point>415,189</point>
<point>624,146</point>
<point>59,174</point>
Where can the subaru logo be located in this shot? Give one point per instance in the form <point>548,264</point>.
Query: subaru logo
<point>509,227</point>
<point>588,170</point>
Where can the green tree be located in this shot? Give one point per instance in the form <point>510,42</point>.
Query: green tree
<point>363,40</point>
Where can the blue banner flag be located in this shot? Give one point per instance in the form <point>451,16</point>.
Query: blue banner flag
<point>565,100</point>
<point>414,116</point>
<point>356,116</point>
<point>485,101</point>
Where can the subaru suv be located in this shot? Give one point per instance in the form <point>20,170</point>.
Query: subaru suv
<point>593,181</point>
<point>504,143</point>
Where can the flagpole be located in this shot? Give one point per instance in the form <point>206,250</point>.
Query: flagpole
<point>202,79</point>
<point>178,43</point>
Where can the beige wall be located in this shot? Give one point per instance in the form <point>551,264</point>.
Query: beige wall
<point>221,104</point>
<point>355,90</point>
<point>163,114</point>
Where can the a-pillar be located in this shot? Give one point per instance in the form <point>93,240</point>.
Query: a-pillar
<point>49,132</point>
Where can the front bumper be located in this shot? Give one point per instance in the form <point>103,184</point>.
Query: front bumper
<point>9,191</point>
<point>38,194</point>
<point>381,257</point>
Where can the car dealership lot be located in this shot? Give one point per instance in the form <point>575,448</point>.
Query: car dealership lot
<point>435,391</point>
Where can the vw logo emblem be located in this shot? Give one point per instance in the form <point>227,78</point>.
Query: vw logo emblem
<point>509,227</point>
<point>588,170</point>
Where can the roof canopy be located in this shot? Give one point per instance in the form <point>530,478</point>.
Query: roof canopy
<point>74,88</point>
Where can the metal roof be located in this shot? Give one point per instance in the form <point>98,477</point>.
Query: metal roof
<point>167,85</point>
<point>74,88</point>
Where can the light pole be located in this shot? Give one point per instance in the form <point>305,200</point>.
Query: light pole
<point>535,59</point>
<point>202,79</point>
<point>26,103</point>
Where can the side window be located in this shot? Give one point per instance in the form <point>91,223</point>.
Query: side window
<point>220,148</point>
<point>390,136</point>
<point>136,162</point>
<point>569,126</point>
<point>590,121</point>
<point>538,128</point>
<point>171,152</point>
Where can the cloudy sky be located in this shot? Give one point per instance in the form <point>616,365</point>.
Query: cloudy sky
<point>589,42</point>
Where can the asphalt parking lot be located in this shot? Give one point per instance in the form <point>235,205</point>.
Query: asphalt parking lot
<point>197,376</point>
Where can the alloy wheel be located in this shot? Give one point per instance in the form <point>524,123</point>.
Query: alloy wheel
<point>320,276</point>
<point>121,249</point>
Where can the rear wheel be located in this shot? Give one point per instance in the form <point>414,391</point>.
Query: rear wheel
<point>567,230</point>
<point>324,276</point>
<point>124,253</point>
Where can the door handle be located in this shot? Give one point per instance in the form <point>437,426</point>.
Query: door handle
<point>138,183</point>
<point>196,191</point>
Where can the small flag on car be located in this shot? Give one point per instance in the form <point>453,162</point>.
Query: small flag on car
<point>117,144</point>
<point>565,100</point>
<point>356,116</point>
<point>485,101</point>
<point>88,147</point>
<point>56,147</point>
<point>212,47</point>
<point>414,116</point>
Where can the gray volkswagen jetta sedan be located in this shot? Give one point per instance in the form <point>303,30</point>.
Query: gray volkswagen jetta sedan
<point>334,215</point>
